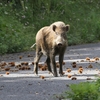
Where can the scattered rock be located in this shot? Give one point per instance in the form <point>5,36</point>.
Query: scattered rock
<point>80,67</point>
<point>74,65</point>
<point>97,69</point>
<point>88,78</point>
<point>12,64</point>
<point>3,63</point>
<point>7,69</point>
<point>67,85</point>
<point>18,66</point>
<point>29,55</point>
<point>73,78</point>
<point>68,70</point>
<point>87,59</point>
<point>42,77</point>
<point>80,70</point>
<point>14,70</point>
<point>57,64</point>
<point>7,73</point>
<point>24,63</point>
<point>33,63</point>
<point>1,75</point>
<point>27,68</point>
<point>90,66</point>
<point>82,61</point>
<point>20,57</point>
<point>63,73</point>
<point>96,58</point>
<point>92,60</point>
<point>40,65</point>
<point>43,68</point>
<point>69,75</point>
<point>63,63</point>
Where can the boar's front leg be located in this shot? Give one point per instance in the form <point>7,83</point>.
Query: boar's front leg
<point>48,64</point>
<point>61,56</point>
<point>53,64</point>
<point>36,60</point>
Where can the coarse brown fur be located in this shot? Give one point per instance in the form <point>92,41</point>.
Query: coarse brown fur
<point>51,41</point>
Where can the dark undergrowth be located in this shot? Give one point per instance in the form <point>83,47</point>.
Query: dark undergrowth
<point>21,19</point>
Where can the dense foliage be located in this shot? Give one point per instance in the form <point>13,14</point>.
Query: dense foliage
<point>21,19</point>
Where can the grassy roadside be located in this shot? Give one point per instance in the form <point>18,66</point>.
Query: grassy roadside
<point>82,91</point>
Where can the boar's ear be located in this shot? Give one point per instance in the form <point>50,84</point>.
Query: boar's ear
<point>67,27</point>
<point>54,27</point>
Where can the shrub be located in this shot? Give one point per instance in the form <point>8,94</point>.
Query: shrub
<point>84,91</point>
<point>14,35</point>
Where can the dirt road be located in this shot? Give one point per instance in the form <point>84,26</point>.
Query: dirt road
<point>21,84</point>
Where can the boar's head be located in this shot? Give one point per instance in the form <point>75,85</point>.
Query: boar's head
<point>60,34</point>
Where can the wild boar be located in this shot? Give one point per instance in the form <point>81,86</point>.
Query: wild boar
<point>51,41</point>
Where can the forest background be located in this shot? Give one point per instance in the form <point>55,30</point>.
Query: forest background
<point>21,19</point>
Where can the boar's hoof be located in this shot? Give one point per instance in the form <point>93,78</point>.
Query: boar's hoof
<point>61,75</point>
<point>51,73</point>
<point>55,75</point>
<point>35,73</point>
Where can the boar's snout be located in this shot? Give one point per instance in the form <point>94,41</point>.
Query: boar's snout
<point>59,44</point>
<point>60,41</point>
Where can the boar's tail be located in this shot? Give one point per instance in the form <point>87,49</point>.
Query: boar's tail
<point>33,45</point>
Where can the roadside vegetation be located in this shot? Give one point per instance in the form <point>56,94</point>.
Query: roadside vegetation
<point>82,91</point>
<point>21,19</point>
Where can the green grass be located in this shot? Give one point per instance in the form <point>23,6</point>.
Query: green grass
<point>83,91</point>
<point>19,22</point>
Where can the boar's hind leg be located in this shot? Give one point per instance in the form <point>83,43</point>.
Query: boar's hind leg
<point>60,62</point>
<point>36,60</point>
<point>48,64</point>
